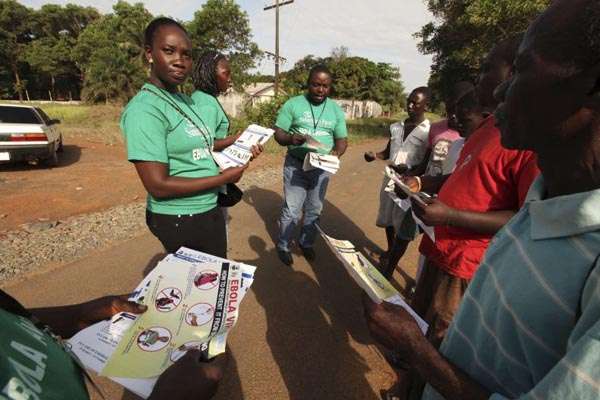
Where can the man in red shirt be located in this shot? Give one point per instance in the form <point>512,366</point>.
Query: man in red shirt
<point>485,190</point>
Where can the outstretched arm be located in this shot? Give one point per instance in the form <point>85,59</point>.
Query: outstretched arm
<point>68,320</point>
<point>394,328</point>
<point>437,213</point>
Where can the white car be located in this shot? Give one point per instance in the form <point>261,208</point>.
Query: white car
<point>28,134</point>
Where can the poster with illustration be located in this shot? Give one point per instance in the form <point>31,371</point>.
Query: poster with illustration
<point>187,304</point>
<point>368,277</point>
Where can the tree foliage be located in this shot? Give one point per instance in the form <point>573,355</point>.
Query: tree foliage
<point>109,54</point>
<point>221,25</point>
<point>355,78</point>
<point>465,31</point>
<point>15,34</point>
<point>73,51</point>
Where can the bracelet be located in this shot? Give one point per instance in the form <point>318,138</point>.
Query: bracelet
<point>419,184</point>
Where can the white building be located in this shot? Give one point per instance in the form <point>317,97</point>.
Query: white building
<point>234,102</point>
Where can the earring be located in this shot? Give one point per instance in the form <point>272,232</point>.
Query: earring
<point>151,61</point>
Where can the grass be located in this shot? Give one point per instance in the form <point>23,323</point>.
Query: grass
<point>97,123</point>
<point>100,123</point>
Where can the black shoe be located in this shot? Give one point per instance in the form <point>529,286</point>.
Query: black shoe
<point>285,257</point>
<point>308,252</point>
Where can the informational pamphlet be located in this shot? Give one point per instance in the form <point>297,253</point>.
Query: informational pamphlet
<point>368,277</point>
<point>314,144</point>
<point>326,162</point>
<point>240,153</point>
<point>193,300</point>
<point>405,204</point>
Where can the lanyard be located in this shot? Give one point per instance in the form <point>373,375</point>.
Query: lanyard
<point>316,123</point>
<point>183,114</point>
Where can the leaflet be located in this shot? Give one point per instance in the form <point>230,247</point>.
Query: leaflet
<point>193,301</point>
<point>368,277</point>
<point>405,204</point>
<point>326,162</point>
<point>240,153</point>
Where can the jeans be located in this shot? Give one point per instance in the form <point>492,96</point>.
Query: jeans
<point>302,191</point>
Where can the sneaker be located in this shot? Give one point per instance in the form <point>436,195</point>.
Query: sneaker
<point>285,257</point>
<point>308,252</point>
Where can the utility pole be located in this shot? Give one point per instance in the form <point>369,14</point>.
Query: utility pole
<point>277,58</point>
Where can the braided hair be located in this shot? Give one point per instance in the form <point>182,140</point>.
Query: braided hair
<point>205,70</point>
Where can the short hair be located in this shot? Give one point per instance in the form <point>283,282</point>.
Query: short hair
<point>459,90</point>
<point>205,71</point>
<point>469,102</point>
<point>507,49</point>
<point>425,91</point>
<point>155,25</point>
<point>317,69</point>
<point>577,46</point>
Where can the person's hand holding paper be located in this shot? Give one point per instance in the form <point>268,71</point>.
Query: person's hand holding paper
<point>393,327</point>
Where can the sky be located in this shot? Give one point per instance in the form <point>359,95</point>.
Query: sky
<point>380,30</point>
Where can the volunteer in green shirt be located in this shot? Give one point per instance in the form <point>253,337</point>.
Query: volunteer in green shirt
<point>212,77</point>
<point>35,365</point>
<point>307,123</point>
<point>170,141</point>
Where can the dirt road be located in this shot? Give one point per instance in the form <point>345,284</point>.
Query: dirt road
<point>90,177</point>
<point>301,333</point>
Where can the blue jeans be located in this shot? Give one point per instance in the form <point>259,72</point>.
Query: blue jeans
<point>302,191</point>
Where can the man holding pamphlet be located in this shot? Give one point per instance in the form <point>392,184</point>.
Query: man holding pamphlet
<point>309,123</point>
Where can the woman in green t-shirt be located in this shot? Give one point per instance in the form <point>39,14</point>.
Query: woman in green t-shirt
<point>170,143</point>
<point>212,77</point>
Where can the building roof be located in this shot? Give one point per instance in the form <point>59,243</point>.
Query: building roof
<point>258,88</point>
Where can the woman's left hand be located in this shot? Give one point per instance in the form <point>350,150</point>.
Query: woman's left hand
<point>256,150</point>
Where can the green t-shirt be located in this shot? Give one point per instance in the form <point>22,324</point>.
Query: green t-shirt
<point>155,131</point>
<point>298,115</point>
<point>33,365</point>
<point>209,108</point>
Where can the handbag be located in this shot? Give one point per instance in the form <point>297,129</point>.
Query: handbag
<point>232,194</point>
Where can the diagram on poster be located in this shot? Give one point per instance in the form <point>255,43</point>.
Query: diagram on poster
<point>185,305</point>
<point>368,277</point>
<point>168,299</point>
<point>170,291</point>
<point>154,339</point>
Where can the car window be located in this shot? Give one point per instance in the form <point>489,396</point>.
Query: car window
<point>43,115</point>
<point>18,115</point>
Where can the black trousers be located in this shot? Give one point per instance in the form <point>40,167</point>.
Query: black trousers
<point>204,232</point>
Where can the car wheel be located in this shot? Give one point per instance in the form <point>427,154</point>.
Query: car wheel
<point>52,161</point>
<point>60,148</point>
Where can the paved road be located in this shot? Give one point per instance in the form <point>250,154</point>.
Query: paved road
<point>301,333</point>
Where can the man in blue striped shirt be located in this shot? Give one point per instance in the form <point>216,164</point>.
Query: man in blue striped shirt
<point>529,324</point>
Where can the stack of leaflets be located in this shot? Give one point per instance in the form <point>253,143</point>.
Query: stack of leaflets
<point>368,277</point>
<point>405,204</point>
<point>193,300</point>
<point>239,153</point>
<point>326,162</point>
<point>314,144</point>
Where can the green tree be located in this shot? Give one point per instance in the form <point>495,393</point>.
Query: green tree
<point>15,33</point>
<point>109,54</point>
<point>466,30</point>
<point>221,25</point>
<point>355,78</point>
<point>294,80</point>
